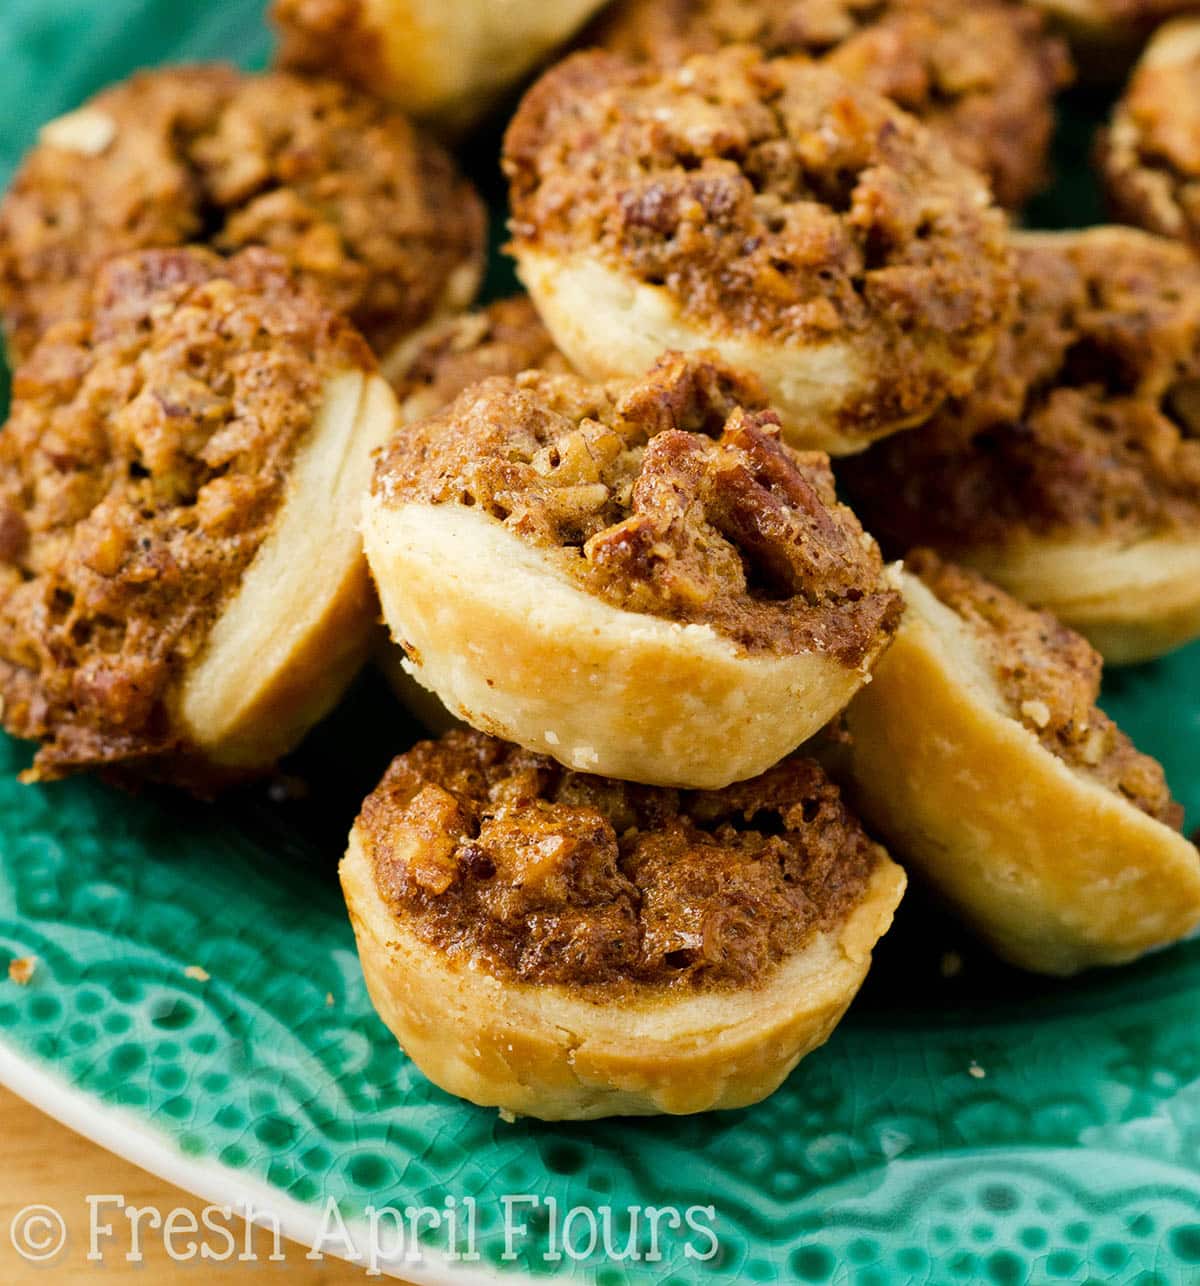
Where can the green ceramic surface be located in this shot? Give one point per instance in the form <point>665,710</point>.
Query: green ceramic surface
<point>988,1127</point>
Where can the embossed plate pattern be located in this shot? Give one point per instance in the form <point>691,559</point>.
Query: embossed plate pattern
<point>984,1127</point>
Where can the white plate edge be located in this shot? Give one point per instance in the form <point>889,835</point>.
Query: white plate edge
<point>127,1135</point>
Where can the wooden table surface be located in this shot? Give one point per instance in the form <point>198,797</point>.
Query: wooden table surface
<point>44,1163</point>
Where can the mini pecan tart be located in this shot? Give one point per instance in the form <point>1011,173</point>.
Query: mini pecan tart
<point>1071,475</point>
<point>446,62</point>
<point>805,228</point>
<point>568,947</point>
<point>356,200</point>
<point>1150,155</point>
<point>982,74</point>
<point>979,755</point>
<point>640,580</point>
<point>182,587</point>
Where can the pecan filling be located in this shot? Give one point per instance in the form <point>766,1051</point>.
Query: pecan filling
<point>770,198</point>
<point>1084,423</point>
<point>357,201</point>
<point>505,338</point>
<point>981,74</point>
<point>494,854</point>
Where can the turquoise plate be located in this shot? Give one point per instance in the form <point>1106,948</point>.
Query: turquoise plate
<point>198,1007</point>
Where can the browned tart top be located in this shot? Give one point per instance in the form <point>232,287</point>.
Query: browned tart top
<point>770,198</point>
<point>1150,156</point>
<point>671,496</point>
<point>1084,422</point>
<point>346,190</point>
<point>980,73</point>
<point>143,465</point>
<point>1049,677</point>
<point>505,338</point>
<point>495,854</point>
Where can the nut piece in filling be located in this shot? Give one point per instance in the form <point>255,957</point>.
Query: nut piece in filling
<point>447,61</point>
<point>804,227</point>
<point>182,588</point>
<point>1071,475</point>
<point>1150,155</point>
<point>568,946</point>
<point>982,74</point>
<point>427,373</point>
<point>979,756</point>
<point>357,201</point>
<point>639,579</point>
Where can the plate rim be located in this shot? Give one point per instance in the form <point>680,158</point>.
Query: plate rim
<point>139,1141</point>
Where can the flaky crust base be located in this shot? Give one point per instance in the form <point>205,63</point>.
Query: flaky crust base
<point>422,704</point>
<point>299,627</point>
<point>611,326</point>
<point>545,1051</point>
<point>1132,602</point>
<point>1055,872</point>
<point>514,647</point>
<point>449,63</point>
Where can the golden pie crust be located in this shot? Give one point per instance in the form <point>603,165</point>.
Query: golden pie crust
<point>449,63</point>
<point>428,372</point>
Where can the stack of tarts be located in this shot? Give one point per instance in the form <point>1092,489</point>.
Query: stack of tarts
<point>601,521</point>
<point>625,893</point>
